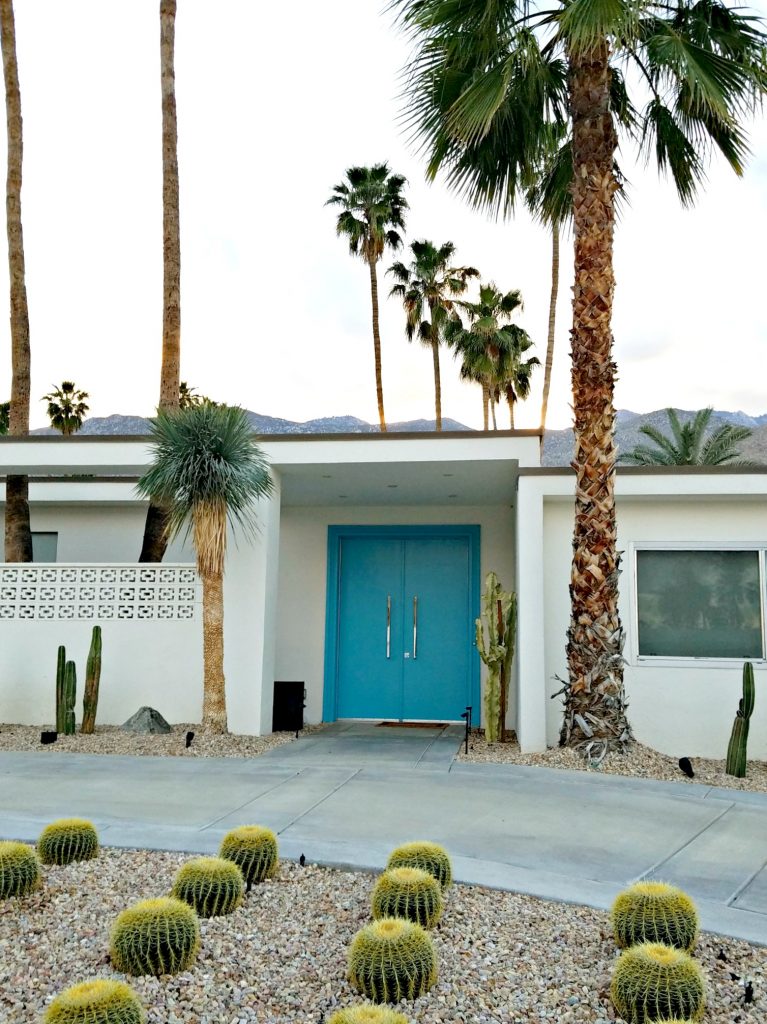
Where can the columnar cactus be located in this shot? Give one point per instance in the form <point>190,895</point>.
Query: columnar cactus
<point>427,856</point>
<point>736,762</point>
<point>70,695</point>
<point>100,1001</point>
<point>254,850</point>
<point>392,959</point>
<point>655,912</point>
<point>19,870</point>
<point>367,1014</point>
<point>68,840</point>
<point>500,612</point>
<point>410,893</point>
<point>654,982</point>
<point>92,678</point>
<point>61,663</point>
<point>159,936</point>
<point>211,885</point>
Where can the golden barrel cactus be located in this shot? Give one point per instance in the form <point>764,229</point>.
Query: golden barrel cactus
<point>102,1001</point>
<point>392,959</point>
<point>367,1014</point>
<point>655,912</point>
<point>654,982</point>
<point>212,886</point>
<point>159,936</point>
<point>19,870</point>
<point>254,850</point>
<point>409,893</point>
<point>427,856</point>
<point>67,840</point>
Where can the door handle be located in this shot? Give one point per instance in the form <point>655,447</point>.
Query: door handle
<point>415,627</point>
<point>388,625</point>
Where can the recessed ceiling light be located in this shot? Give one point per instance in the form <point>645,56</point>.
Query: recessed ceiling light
<point>447,474</point>
<point>452,495</point>
<point>392,486</point>
<point>327,476</point>
<point>343,495</point>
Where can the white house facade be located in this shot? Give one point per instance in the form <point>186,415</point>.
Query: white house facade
<point>365,579</point>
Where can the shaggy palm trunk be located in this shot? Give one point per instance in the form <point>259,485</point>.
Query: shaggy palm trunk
<point>214,692</point>
<point>155,536</point>
<point>485,407</point>
<point>437,380</point>
<point>377,343</point>
<point>552,326</point>
<point>595,709</point>
<point>492,411</point>
<point>18,535</point>
<point>511,399</point>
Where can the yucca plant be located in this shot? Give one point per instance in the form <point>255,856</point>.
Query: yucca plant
<point>207,472</point>
<point>19,870</point>
<point>101,1001</point>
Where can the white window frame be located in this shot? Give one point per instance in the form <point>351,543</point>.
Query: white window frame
<point>636,659</point>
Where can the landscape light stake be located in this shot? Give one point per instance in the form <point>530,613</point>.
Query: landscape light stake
<point>467,715</point>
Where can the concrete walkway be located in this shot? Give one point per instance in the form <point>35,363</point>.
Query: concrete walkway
<point>347,795</point>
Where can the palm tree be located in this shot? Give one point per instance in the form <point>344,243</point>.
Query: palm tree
<point>66,407</point>
<point>491,349</point>
<point>5,414</point>
<point>430,282</point>
<point>691,443</point>
<point>207,472</point>
<point>18,535</point>
<point>372,208</point>
<point>516,69</point>
<point>154,542</point>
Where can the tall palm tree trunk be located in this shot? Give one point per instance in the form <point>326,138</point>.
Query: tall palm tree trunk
<point>552,326</point>
<point>594,694</point>
<point>377,344</point>
<point>437,381</point>
<point>214,693</point>
<point>18,535</point>
<point>510,399</point>
<point>155,540</point>
<point>492,411</point>
<point>485,405</point>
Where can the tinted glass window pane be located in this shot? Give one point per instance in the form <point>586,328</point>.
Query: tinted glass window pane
<point>44,547</point>
<point>699,604</point>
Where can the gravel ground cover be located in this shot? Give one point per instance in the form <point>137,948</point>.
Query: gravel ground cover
<point>641,763</point>
<point>110,739</point>
<point>281,957</point>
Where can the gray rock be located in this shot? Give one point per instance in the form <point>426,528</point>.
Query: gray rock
<point>146,720</point>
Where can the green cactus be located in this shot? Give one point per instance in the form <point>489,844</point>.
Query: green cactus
<point>19,870</point>
<point>254,850</point>
<point>367,1014</point>
<point>67,840</point>
<point>100,1001</point>
<point>159,936</point>
<point>655,912</point>
<point>427,856</point>
<point>392,959</point>
<point>61,661</point>
<point>500,612</point>
<point>211,885</point>
<point>410,893</point>
<point>736,749</point>
<point>70,695</point>
<point>92,677</point>
<point>654,982</point>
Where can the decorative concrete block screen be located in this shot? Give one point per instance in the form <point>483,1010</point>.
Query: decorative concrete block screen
<point>98,592</point>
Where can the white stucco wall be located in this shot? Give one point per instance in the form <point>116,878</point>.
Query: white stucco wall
<point>682,707</point>
<point>303,572</point>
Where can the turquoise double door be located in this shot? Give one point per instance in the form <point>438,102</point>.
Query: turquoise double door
<point>400,623</point>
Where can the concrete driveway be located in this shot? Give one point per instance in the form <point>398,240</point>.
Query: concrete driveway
<point>347,795</point>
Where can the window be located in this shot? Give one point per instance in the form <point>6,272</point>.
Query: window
<point>699,604</point>
<point>44,547</point>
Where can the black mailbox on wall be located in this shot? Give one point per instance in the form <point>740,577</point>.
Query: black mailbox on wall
<point>288,708</point>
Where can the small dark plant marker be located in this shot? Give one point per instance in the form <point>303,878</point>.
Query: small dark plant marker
<point>748,992</point>
<point>189,738</point>
<point>48,737</point>
<point>686,767</point>
<point>302,860</point>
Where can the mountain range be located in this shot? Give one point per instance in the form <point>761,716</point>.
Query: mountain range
<point>558,446</point>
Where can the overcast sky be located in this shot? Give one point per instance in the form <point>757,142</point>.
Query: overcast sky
<point>274,102</point>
